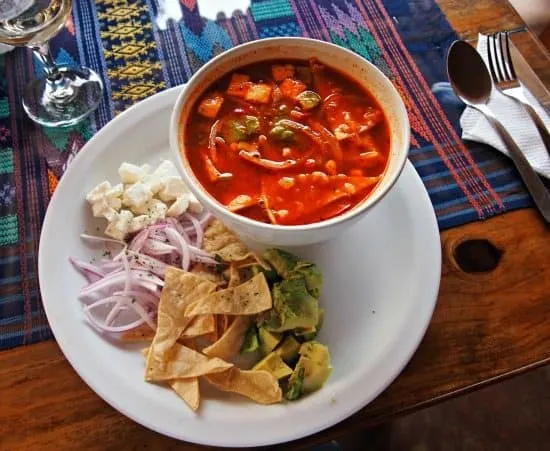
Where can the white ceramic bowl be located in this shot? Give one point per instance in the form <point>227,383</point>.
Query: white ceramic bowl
<point>293,48</point>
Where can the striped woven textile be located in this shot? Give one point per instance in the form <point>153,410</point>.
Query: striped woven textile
<point>139,54</point>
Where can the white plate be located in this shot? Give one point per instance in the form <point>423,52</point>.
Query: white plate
<point>381,284</point>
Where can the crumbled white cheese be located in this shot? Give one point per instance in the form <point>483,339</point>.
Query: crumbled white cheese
<point>98,193</point>
<point>179,206</point>
<point>148,195</point>
<point>119,227</point>
<point>130,173</point>
<point>173,188</point>
<point>137,196</point>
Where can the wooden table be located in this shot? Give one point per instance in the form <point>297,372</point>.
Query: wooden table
<point>487,326</point>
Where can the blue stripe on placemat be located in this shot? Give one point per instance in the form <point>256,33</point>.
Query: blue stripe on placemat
<point>428,35</point>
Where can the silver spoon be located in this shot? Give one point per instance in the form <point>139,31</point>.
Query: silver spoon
<point>472,83</point>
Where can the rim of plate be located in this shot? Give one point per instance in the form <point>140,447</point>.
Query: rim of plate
<point>352,397</point>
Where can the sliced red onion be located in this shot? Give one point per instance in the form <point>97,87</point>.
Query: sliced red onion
<point>91,272</point>
<point>157,247</point>
<point>139,240</point>
<point>199,234</point>
<point>101,239</point>
<point>177,240</point>
<point>176,225</point>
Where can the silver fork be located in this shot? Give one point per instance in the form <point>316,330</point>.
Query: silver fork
<point>502,71</point>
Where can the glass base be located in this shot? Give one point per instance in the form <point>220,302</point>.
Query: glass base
<point>64,100</point>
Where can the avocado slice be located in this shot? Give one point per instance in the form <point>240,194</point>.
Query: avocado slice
<point>288,349</point>
<point>268,340</point>
<point>311,334</point>
<point>293,307</point>
<point>295,386</point>
<point>273,364</point>
<point>315,361</point>
<point>289,266</point>
<point>250,343</point>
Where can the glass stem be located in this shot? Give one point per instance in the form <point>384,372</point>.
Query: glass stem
<point>42,53</point>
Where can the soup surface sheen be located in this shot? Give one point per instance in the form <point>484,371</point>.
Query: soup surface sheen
<point>287,142</point>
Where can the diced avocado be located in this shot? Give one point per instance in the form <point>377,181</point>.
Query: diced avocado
<point>295,384</point>
<point>308,100</point>
<point>289,266</point>
<point>282,261</point>
<point>282,133</point>
<point>311,334</point>
<point>293,307</point>
<point>311,274</point>
<point>268,340</point>
<point>288,349</point>
<point>250,343</point>
<point>273,364</point>
<point>235,130</point>
<point>315,360</point>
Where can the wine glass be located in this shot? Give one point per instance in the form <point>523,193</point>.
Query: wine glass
<point>65,95</point>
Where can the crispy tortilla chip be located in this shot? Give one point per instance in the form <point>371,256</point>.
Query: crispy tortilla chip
<point>209,273</point>
<point>180,288</point>
<point>199,325</point>
<point>188,389</point>
<point>248,298</point>
<point>234,276</point>
<point>230,342</point>
<point>219,240</point>
<point>258,385</point>
<point>140,333</point>
<point>251,261</point>
<point>181,362</point>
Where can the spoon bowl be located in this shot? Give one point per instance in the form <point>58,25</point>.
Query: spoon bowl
<point>468,74</point>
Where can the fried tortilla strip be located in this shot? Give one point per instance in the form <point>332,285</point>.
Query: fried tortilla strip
<point>188,390</point>
<point>199,325</point>
<point>140,333</point>
<point>181,362</point>
<point>180,288</point>
<point>248,298</point>
<point>219,240</point>
<point>258,385</point>
<point>209,273</point>
<point>230,342</point>
<point>234,276</point>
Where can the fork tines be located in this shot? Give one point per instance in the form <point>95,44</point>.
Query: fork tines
<point>500,59</point>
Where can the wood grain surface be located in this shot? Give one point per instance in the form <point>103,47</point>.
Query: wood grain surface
<point>488,324</point>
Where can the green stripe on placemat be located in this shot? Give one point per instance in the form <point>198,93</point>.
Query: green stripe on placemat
<point>6,161</point>
<point>9,233</point>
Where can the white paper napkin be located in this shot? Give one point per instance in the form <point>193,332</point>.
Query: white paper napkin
<point>517,121</point>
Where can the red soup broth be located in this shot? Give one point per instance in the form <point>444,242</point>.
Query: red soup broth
<point>287,142</point>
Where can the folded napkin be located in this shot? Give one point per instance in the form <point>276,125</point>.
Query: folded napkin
<point>515,119</point>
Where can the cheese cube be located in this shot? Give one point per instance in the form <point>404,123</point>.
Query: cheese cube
<point>173,188</point>
<point>116,191</point>
<point>139,222</point>
<point>130,173</point>
<point>137,196</point>
<point>119,227</point>
<point>179,206</point>
<point>97,193</point>
<point>194,205</point>
<point>102,209</point>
